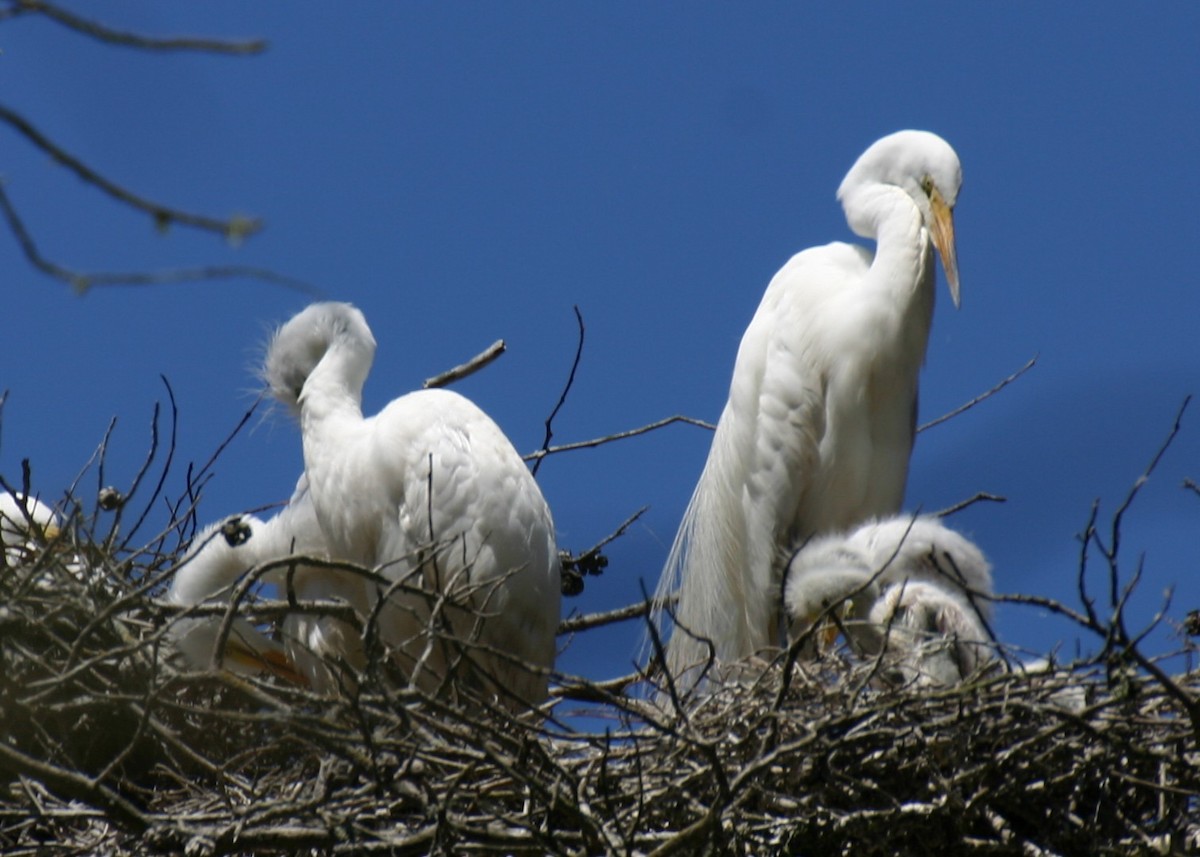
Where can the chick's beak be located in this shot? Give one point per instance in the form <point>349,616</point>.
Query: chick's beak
<point>274,662</point>
<point>942,233</point>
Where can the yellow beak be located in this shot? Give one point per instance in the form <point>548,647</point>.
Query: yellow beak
<point>942,233</point>
<point>274,662</point>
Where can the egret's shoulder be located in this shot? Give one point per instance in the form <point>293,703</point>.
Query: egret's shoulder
<point>440,411</point>
<point>827,263</point>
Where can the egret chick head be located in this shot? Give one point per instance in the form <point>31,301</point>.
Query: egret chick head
<point>214,561</point>
<point>826,572</point>
<point>934,635</point>
<point>298,346</point>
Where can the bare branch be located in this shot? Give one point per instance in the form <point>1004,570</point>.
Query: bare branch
<point>472,366</point>
<point>1145,477</point>
<point>574,624</point>
<point>611,537</point>
<point>966,407</point>
<point>104,33</point>
<point>562,399</point>
<point>622,435</point>
<point>81,281</point>
<point>234,229</point>
<point>981,497</point>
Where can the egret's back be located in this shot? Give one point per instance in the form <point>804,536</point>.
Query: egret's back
<point>432,494</point>
<point>472,523</point>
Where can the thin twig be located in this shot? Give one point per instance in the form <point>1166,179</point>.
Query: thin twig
<point>82,281</point>
<point>537,460</point>
<point>234,229</point>
<point>966,407</point>
<point>621,435</point>
<point>575,624</point>
<point>981,497</point>
<point>105,33</point>
<point>472,366</point>
<point>611,537</point>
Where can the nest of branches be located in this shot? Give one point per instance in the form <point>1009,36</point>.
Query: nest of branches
<point>111,745</point>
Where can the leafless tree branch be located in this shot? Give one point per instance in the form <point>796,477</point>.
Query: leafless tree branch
<point>233,229</point>
<point>104,33</point>
<point>562,399</point>
<point>622,435</point>
<point>981,397</point>
<point>81,281</point>
<point>463,370</point>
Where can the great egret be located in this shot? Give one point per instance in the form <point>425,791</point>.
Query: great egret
<point>432,494</point>
<point>920,590</point>
<point>206,574</point>
<point>25,522</point>
<point>819,425</point>
<point>312,644</point>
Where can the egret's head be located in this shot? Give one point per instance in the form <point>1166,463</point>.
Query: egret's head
<point>925,167</point>
<point>215,560</point>
<point>934,637</point>
<point>827,572</point>
<point>299,345</point>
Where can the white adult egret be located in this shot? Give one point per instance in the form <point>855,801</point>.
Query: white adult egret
<point>25,523</point>
<point>432,494</point>
<point>920,589</point>
<point>819,425</point>
<point>312,643</point>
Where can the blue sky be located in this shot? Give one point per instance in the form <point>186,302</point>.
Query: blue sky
<point>470,172</point>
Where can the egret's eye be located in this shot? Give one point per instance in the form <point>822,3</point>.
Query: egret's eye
<point>927,185</point>
<point>236,532</point>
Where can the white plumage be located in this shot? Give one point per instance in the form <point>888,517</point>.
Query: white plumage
<point>430,492</point>
<point>313,645</point>
<point>919,589</point>
<point>206,574</point>
<point>320,646</point>
<point>25,523</point>
<point>819,425</point>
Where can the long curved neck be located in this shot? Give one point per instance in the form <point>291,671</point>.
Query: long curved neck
<point>334,387</point>
<point>332,427</point>
<point>213,567</point>
<point>903,263</point>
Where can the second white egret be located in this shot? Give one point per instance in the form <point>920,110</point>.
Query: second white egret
<point>432,494</point>
<point>819,425</point>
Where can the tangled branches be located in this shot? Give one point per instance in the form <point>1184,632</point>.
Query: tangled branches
<point>111,745</point>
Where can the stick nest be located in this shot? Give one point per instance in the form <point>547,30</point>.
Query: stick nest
<point>110,745</point>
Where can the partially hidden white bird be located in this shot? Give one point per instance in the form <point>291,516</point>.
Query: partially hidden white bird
<point>921,595</point>
<point>432,494</point>
<point>315,647</point>
<point>25,523</point>
<point>819,425</point>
